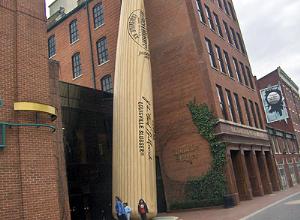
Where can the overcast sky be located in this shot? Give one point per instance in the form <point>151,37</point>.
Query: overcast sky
<point>271,33</point>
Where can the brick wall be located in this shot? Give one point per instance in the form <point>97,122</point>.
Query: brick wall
<point>29,171</point>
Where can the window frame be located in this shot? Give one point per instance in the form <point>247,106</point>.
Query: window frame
<point>249,74</point>
<point>230,105</point>
<point>102,50</point>
<point>76,65</point>
<point>238,107</point>
<point>73,31</point>
<point>51,46</point>
<point>222,102</point>
<point>229,39</point>
<point>211,54</point>
<point>209,18</point>
<point>228,64</point>
<point>200,11</point>
<point>236,44</point>
<point>237,70</point>
<point>246,82</point>
<point>218,25</point>
<point>220,59</point>
<point>106,83</point>
<point>98,15</point>
<point>248,115</point>
<point>253,114</point>
<point>232,11</point>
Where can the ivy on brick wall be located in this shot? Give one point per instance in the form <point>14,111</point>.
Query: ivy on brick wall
<point>209,189</point>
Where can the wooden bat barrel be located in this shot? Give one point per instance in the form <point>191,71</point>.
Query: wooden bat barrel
<point>134,174</point>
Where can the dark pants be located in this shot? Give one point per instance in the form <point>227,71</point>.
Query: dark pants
<point>122,217</point>
<point>144,216</point>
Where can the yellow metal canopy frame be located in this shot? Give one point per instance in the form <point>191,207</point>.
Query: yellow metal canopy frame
<point>36,107</point>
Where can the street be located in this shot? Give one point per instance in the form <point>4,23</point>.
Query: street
<point>286,209</point>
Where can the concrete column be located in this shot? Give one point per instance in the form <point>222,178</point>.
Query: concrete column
<point>242,177</point>
<point>230,177</point>
<point>263,168</point>
<point>254,175</point>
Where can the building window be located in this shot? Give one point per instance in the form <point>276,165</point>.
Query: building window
<point>249,121</point>
<point>227,32</point>
<point>228,65</point>
<point>200,11</point>
<point>106,84</point>
<point>237,70</point>
<point>238,107</point>
<point>253,113</point>
<point>230,105</point>
<point>220,59</point>
<point>76,65</point>
<point>273,145</point>
<point>250,77</point>
<point>209,18</point>
<point>102,50</point>
<point>244,74</point>
<point>210,53</point>
<point>73,31</point>
<point>220,4</point>
<point>241,43</point>
<point>259,115</point>
<point>218,25</point>
<point>222,102</point>
<point>226,7</point>
<point>98,15</point>
<point>234,38</point>
<point>232,11</point>
<point>51,46</point>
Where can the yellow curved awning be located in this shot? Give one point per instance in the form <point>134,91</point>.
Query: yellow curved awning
<point>36,107</point>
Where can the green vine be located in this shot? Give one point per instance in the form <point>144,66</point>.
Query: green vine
<point>209,189</point>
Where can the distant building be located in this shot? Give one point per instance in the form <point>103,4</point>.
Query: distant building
<point>280,97</point>
<point>197,53</point>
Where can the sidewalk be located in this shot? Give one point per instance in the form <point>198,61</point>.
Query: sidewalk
<point>245,208</point>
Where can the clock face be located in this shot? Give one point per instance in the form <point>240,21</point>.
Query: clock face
<point>273,98</point>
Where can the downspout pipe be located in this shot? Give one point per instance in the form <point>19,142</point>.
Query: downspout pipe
<point>90,43</point>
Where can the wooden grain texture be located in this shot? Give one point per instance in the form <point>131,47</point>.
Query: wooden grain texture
<point>133,128</point>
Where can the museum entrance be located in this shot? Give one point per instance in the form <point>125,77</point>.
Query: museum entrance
<point>87,133</point>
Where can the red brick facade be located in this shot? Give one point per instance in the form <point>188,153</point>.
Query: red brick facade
<point>285,135</point>
<point>65,50</point>
<point>31,186</point>
<point>182,72</point>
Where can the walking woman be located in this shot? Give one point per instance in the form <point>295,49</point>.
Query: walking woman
<point>143,209</point>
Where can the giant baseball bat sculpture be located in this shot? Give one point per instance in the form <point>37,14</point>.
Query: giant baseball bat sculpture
<point>133,128</point>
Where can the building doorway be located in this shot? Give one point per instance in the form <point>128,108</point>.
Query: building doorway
<point>87,133</point>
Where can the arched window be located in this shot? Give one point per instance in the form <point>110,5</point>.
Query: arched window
<point>106,84</point>
<point>98,15</point>
<point>76,65</point>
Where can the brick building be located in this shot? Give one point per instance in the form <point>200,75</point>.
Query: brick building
<point>32,174</point>
<point>197,53</point>
<point>284,134</point>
